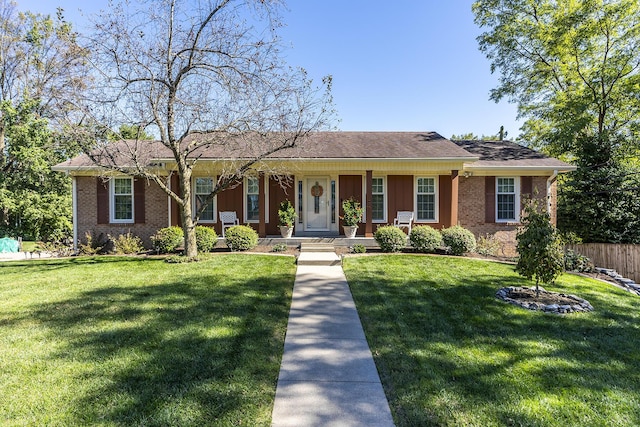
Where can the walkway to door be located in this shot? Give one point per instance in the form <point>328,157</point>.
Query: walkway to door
<point>327,376</point>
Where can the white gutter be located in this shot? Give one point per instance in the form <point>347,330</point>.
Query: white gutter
<point>74,210</point>
<point>550,181</point>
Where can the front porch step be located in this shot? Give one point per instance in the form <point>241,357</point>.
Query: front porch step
<point>317,247</point>
<point>319,258</point>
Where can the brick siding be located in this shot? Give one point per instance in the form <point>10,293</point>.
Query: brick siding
<point>471,214</point>
<point>156,214</point>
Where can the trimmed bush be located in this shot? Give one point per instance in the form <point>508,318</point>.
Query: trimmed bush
<point>128,244</point>
<point>241,238</point>
<point>390,239</point>
<point>424,238</point>
<point>358,249</point>
<point>459,240</point>
<point>206,238</point>
<point>573,261</point>
<point>167,239</point>
<point>279,247</point>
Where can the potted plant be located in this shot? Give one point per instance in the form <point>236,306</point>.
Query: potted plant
<point>286,218</point>
<point>352,216</point>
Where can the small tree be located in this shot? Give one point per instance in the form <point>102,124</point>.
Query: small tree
<point>539,246</point>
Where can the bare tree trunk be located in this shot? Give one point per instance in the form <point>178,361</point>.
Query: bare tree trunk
<point>188,225</point>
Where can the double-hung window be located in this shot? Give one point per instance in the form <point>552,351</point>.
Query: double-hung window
<point>507,203</point>
<point>377,198</point>
<point>122,200</point>
<point>252,199</point>
<point>204,187</point>
<point>426,199</point>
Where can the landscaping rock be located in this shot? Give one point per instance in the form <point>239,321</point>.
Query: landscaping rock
<point>548,302</point>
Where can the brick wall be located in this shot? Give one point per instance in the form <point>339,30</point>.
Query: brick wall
<point>156,214</point>
<point>472,211</point>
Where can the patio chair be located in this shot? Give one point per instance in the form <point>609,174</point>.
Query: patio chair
<point>403,219</point>
<point>228,219</point>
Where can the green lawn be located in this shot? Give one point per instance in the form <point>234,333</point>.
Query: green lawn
<point>450,354</point>
<point>128,341</point>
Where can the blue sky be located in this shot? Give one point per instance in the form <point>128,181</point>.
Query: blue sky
<point>406,65</point>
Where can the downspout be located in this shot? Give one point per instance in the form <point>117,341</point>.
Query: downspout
<point>169,200</point>
<point>550,181</point>
<point>74,212</point>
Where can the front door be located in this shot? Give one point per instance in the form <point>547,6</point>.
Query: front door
<point>316,210</point>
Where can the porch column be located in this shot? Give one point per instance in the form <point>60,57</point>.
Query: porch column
<point>368,227</point>
<point>454,198</point>
<point>262,210</point>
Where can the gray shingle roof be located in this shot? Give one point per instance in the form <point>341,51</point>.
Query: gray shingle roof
<point>509,154</point>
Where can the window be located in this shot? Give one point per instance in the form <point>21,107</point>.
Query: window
<point>426,199</point>
<point>252,195</point>
<point>204,187</point>
<point>122,200</point>
<point>507,204</point>
<point>377,198</point>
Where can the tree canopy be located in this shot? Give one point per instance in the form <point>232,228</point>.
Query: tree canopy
<point>572,69</point>
<point>42,76</point>
<point>197,75</point>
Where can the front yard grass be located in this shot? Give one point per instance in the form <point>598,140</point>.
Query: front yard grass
<point>128,341</point>
<point>450,354</point>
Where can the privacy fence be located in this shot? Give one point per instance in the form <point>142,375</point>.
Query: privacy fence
<point>625,259</point>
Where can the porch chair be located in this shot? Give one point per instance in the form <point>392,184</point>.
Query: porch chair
<point>403,219</point>
<point>228,219</point>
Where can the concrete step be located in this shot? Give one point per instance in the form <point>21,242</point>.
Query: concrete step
<point>317,247</point>
<point>319,258</point>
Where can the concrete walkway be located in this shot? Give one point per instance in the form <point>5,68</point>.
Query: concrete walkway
<point>327,376</point>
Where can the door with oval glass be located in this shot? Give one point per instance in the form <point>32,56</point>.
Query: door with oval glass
<point>317,204</point>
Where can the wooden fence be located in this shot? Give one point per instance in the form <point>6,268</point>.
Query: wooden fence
<point>625,259</point>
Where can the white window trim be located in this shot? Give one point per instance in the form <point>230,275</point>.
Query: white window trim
<point>516,189</point>
<point>112,202</point>
<point>194,204</point>
<point>245,186</point>
<point>436,185</point>
<point>384,201</point>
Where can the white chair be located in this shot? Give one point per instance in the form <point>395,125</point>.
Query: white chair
<point>403,219</point>
<point>228,219</point>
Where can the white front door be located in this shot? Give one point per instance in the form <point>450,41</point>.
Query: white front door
<point>316,209</point>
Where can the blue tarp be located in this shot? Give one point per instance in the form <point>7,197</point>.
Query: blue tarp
<point>9,245</point>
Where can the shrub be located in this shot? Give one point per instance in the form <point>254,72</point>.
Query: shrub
<point>539,247</point>
<point>241,238</point>
<point>573,261</point>
<point>128,244</point>
<point>487,245</point>
<point>390,239</point>
<point>206,238</point>
<point>358,249</point>
<point>279,247</point>
<point>424,238</point>
<point>459,240</point>
<point>92,247</point>
<point>286,214</point>
<point>167,239</point>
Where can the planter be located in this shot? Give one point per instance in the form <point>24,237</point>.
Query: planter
<point>286,232</point>
<point>350,231</point>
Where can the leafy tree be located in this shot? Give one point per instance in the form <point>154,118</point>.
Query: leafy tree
<point>470,136</point>
<point>135,132</point>
<point>42,75</point>
<point>199,76</point>
<point>572,69</point>
<point>539,246</point>
<point>35,202</point>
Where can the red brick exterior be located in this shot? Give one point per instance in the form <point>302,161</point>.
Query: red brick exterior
<point>472,209</point>
<point>156,213</point>
<point>472,206</point>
